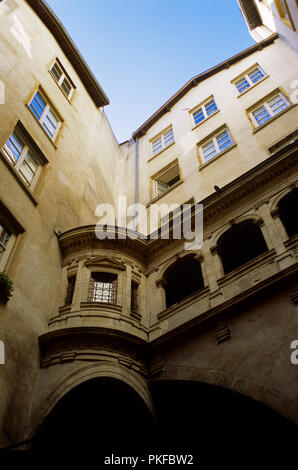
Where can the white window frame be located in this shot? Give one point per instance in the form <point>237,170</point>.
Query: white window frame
<point>202,106</point>
<point>161,137</point>
<point>268,108</point>
<point>5,248</point>
<point>48,109</point>
<point>157,183</point>
<point>215,144</point>
<point>63,77</point>
<point>245,76</point>
<point>22,158</point>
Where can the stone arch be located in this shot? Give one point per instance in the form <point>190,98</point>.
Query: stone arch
<point>273,205</point>
<point>175,257</point>
<point>260,393</point>
<point>83,374</point>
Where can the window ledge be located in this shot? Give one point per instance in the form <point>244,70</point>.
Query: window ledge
<point>49,138</point>
<point>256,129</point>
<point>19,179</point>
<point>217,156</point>
<point>163,150</point>
<point>252,86</point>
<point>202,122</point>
<point>163,194</point>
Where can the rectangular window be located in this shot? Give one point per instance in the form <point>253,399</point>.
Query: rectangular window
<point>216,145</point>
<point>70,290</point>
<point>249,79</point>
<point>22,156</point>
<point>165,180</point>
<point>63,80</point>
<point>204,111</point>
<point>45,114</point>
<point>5,235</point>
<point>269,109</point>
<point>134,296</point>
<point>103,288</point>
<point>163,141</point>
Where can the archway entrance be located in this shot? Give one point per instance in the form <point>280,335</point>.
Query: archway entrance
<point>220,426</point>
<point>100,415</point>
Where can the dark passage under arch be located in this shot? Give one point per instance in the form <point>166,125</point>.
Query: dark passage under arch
<point>288,212</point>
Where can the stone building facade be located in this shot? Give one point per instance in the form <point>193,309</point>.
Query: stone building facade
<point>142,312</point>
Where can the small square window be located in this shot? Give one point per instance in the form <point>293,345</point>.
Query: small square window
<point>25,157</point>
<point>62,78</point>
<point>166,179</point>
<point>103,288</point>
<point>163,141</point>
<point>217,144</point>
<point>268,109</point>
<point>45,114</point>
<point>249,78</point>
<point>204,111</point>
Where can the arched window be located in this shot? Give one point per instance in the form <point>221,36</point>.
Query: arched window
<point>240,244</point>
<point>183,278</point>
<point>288,209</point>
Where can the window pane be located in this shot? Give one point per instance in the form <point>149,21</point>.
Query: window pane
<point>50,123</point>
<point>210,107</point>
<point>255,75</point>
<point>4,239</point>
<point>224,140</point>
<point>28,168</point>
<point>161,187</point>
<point>242,84</point>
<point>156,146</point>
<point>168,137</point>
<point>14,147</point>
<point>66,86</point>
<point>56,71</point>
<point>209,150</point>
<point>198,116</point>
<point>277,104</point>
<point>37,105</point>
<point>261,115</point>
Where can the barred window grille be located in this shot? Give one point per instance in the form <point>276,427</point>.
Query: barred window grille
<point>70,290</point>
<point>103,288</point>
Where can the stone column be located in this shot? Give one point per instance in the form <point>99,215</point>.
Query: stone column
<point>271,229</point>
<point>81,286</point>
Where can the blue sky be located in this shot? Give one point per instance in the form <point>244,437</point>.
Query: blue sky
<point>143,51</point>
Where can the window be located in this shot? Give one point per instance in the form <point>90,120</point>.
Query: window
<point>240,244</point>
<point>163,141</point>
<point>249,79</point>
<point>216,145</point>
<point>62,79</point>
<point>45,114</point>
<point>166,179</point>
<point>269,109</point>
<point>5,235</point>
<point>182,279</point>
<point>284,13</point>
<point>204,111</point>
<point>21,155</point>
<point>134,304</point>
<point>103,288</point>
<point>70,290</point>
<point>288,212</point>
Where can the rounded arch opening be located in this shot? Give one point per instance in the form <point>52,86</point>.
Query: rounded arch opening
<point>239,244</point>
<point>100,414</point>
<point>182,279</point>
<point>288,212</point>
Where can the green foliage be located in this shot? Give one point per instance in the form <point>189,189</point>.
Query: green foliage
<point>6,287</point>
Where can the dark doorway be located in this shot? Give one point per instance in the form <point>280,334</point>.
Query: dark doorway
<point>99,416</point>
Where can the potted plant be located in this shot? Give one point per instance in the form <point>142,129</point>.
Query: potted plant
<point>6,287</point>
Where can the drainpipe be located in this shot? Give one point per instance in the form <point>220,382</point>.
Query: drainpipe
<point>137,183</point>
